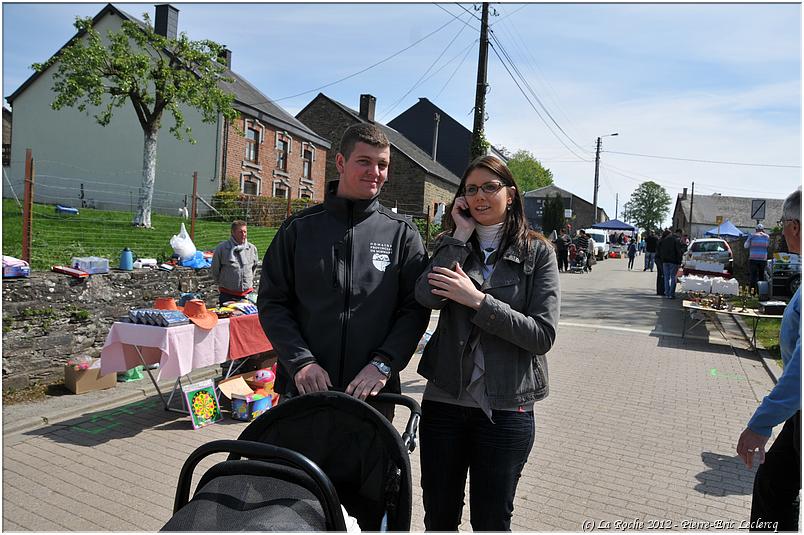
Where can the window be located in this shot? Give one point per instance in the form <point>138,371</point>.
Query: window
<point>252,145</point>
<point>281,190</point>
<point>708,247</point>
<point>250,188</point>
<point>282,155</point>
<point>307,164</point>
<point>305,192</point>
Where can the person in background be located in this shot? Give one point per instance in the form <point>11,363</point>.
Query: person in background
<point>777,484</point>
<point>659,272</point>
<point>651,242</point>
<point>562,249</point>
<point>336,295</point>
<point>632,251</point>
<point>234,264</point>
<point>757,245</point>
<point>496,285</point>
<point>583,242</point>
<point>671,251</point>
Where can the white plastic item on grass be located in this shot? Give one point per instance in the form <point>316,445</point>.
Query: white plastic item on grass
<point>725,287</point>
<point>182,244</point>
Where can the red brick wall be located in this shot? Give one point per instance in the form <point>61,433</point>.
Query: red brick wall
<point>235,162</point>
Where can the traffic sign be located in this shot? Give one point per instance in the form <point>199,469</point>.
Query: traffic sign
<point>758,209</point>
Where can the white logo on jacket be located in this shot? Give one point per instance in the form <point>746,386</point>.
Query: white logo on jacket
<point>381,255</point>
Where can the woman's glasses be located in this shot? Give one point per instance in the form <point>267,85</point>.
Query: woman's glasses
<point>488,187</point>
<point>782,221</point>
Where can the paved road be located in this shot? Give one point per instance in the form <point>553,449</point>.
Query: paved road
<point>640,426</point>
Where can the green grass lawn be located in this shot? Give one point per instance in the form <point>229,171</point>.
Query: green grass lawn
<point>768,336</point>
<point>58,238</point>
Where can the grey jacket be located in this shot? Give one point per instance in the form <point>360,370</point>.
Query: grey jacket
<point>517,321</point>
<point>238,275</point>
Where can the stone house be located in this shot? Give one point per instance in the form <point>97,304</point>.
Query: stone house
<point>438,134</point>
<point>416,182</point>
<point>81,163</point>
<point>6,136</point>
<point>582,209</point>
<point>706,209</point>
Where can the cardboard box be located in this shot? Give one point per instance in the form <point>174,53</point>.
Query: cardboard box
<point>82,381</point>
<point>240,390</point>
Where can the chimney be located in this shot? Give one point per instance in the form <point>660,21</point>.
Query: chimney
<point>225,58</point>
<point>166,23</point>
<point>367,104</point>
<point>684,195</point>
<point>437,119</point>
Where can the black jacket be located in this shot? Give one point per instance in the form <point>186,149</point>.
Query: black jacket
<point>337,287</point>
<point>651,242</point>
<point>670,250</point>
<point>517,322</point>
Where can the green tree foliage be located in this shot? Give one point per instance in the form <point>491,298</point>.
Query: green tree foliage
<point>648,205</point>
<point>553,214</point>
<point>528,171</point>
<point>155,74</point>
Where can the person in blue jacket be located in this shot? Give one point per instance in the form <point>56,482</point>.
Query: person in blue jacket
<point>778,479</point>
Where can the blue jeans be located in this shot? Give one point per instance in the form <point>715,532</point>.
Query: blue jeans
<point>456,440</point>
<point>649,260</point>
<point>670,271</point>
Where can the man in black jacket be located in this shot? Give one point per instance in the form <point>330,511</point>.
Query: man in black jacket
<point>671,252</point>
<point>651,241</point>
<point>336,296</point>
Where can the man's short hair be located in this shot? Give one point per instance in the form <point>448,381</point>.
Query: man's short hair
<point>792,205</point>
<point>369,134</point>
<point>237,223</point>
<point>679,231</point>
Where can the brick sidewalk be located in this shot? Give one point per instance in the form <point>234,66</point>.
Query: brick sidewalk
<point>636,427</point>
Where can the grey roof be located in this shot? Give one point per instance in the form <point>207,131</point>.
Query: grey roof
<point>406,146</point>
<point>552,189</point>
<point>735,209</point>
<point>248,99</point>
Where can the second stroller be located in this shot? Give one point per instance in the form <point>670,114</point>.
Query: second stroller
<point>577,260</point>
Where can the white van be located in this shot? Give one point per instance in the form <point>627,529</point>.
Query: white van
<point>601,238</point>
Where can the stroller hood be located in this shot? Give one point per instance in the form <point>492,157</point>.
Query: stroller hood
<point>359,450</point>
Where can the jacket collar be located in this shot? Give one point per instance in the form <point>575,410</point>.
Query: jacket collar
<point>342,207</point>
<point>506,271</point>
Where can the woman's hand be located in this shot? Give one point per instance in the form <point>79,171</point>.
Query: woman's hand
<point>464,223</point>
<point>456,286</point>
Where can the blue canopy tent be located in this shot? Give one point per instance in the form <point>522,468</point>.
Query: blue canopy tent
<point>726,228</point>
<point>614,224</point>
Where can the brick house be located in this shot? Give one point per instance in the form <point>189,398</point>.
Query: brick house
<point>273,154</point>
<point>706,209</point>
<point>416,182</point>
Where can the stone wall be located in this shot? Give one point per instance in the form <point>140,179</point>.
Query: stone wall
<point>50,317</point>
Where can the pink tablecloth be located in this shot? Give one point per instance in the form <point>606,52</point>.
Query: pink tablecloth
<point>178,350</point>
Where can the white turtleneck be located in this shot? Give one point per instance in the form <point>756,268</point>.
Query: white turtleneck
<point>489,237</point>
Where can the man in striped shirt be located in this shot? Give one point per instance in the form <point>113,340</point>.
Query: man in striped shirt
<point>757,245</point>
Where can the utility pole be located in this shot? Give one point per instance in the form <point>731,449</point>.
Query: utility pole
<point>477,148</point>
<point>597,175</point>
<point>616,204</point>
<point>692,200</point>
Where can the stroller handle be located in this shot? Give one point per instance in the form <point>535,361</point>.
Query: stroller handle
<point>259,450</point>
<point>411,429</point>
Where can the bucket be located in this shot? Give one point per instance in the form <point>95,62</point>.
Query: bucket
<point>126,260</point>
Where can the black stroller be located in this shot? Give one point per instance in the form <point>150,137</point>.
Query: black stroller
<point>577,263</point>
<point>305,458</point>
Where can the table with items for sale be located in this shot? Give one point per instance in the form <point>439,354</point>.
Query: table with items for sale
<point>702,313</point>
<point>179,350</point>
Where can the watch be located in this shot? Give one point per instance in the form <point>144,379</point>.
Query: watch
<point>384,368</point>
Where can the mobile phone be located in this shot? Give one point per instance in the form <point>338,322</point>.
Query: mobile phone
<point>465,213</point>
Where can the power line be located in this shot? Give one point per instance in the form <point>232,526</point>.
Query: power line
<point>532,92</point>
<point>395,54</point>
<point>509,14</point>
<point>705,161</point>
<point>421,78</point>
<point>465,55</point>
<point>494,48</point>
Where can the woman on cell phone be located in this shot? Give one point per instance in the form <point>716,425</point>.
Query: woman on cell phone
<point>495,282</point>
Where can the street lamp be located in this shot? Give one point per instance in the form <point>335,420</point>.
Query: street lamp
<point>597,174</point>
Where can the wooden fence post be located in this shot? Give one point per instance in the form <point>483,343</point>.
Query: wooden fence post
<point>288,210</point>
<point>194,205</point>
<point>427,229</point>
<point>27,207</point>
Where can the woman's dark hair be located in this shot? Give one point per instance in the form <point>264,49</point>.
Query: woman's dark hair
<point>515,229</point>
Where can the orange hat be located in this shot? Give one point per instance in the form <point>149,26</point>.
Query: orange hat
<point>196,311</point>
<point>166,303</point>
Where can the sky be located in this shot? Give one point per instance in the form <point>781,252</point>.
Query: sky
<point>677,82</point>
